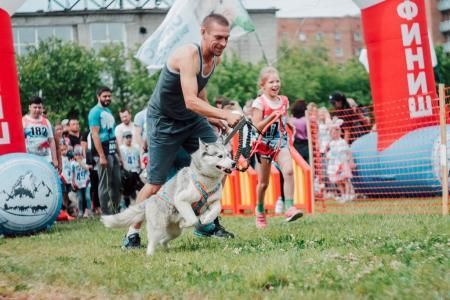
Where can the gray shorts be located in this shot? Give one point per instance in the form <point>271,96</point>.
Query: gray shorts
<point>167,136</point>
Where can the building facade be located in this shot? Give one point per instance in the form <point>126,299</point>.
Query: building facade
<point>131,27</point>
<point>342,36</point>
<point>441,21</point>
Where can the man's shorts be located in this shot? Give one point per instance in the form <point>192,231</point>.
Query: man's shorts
<point>167,136</point>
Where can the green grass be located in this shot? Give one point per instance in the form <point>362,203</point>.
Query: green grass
<point>319,257</point>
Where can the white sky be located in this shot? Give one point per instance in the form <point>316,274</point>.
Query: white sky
<point>287,8</point>
<point>307,8</point>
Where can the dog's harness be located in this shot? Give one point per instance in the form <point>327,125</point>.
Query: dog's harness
<point>198,205</point>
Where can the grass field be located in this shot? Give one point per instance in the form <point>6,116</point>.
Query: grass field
<point>325,256</point>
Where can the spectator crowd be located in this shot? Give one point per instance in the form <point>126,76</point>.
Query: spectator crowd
<point>102,169</point>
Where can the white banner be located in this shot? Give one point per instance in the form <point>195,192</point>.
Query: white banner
<point>11,5</point>
<point>182,26</point>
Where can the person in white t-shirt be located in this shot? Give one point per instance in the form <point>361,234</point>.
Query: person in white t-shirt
<point>126,125</point>
<point>131,182</point>
<point>38,132</point>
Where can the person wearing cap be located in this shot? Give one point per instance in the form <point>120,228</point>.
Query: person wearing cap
<point>355,124</point>
<point>131,167</point>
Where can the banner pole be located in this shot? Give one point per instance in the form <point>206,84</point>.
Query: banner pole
<point>443,154</point>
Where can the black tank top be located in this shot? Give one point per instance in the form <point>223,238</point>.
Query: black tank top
<point>167,98</point>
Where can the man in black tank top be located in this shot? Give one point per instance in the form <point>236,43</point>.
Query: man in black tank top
<point>179,114</point>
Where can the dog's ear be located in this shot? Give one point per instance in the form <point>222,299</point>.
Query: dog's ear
<point>203,145</point>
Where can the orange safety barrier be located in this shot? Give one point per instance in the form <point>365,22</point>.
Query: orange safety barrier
<point>239,193</point>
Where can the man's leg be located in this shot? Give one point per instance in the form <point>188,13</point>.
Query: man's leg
<point>163,147</point>
<point>103,189</point>
<point>205,132</point>
<point>115,182</point>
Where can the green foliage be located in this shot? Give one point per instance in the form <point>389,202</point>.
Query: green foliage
<point>140,85</point>
<point>443,67</point>
<point>128,78</point>
<point>234,79</point>
<point>113,61</point>
<point>65,74</point>
<point>309,75</point>
<point>325,256</point>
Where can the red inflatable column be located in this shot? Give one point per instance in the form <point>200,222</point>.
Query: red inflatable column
<point>11,130</point>
<point>401,71</point>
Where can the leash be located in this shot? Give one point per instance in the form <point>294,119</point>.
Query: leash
<point>245,151</point>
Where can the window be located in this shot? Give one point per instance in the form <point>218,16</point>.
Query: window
<point>319,36</point>
<point>357,36</point>
<point>31,36</point>
<point>103,34</point>
<point>339,52</point>
<point>302,36</point>
<point>337,36</point>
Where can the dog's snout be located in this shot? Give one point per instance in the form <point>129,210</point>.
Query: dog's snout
<point>233,164</point>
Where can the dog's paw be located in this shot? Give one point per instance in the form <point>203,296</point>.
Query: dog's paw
<point>185,224</point>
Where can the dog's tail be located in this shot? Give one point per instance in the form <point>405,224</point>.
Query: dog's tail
<point>132,215</point>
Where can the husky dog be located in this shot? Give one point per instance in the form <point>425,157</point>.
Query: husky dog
<point>191,197</point>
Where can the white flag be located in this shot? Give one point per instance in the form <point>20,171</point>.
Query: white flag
<point>182,26</point>
<point>11,6</point>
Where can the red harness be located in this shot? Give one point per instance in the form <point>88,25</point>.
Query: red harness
<point>262,145</point>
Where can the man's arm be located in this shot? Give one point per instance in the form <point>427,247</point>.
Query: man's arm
<point>137,132</point>
<point>257,118</point>
<point>221,124</point>
<point>118,134</point>
<point>53,151</point>
<point>188,71</point>
<point>95,130</point>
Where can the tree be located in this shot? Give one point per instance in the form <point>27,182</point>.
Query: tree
<point>442,70</point>
<point>140,84</point>
<point>64,74</point>
<point>310,75</point>
<point>112,59</point>
<point>234,79</point>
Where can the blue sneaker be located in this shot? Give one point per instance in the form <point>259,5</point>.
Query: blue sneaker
<point>133,241</point>
<point>213,230</point>
<point>204,230</point>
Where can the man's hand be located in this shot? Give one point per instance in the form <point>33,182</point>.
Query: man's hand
<point>220,124</point>
<point>233,118</point>
<point>103,161</point>
<point>55,163</point>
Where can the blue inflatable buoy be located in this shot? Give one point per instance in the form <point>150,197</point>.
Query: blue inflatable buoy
<point>30,194</point>
<point>410,167</point>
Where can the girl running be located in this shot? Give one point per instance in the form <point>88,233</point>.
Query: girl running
<point>269,116</point>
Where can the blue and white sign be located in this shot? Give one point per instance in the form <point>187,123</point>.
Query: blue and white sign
<point>30,194</point>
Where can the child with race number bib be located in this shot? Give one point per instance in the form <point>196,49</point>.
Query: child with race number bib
<point>270,117</point>
<point>80,182</point>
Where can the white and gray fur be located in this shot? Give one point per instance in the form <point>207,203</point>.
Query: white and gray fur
<point>165,220</point>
